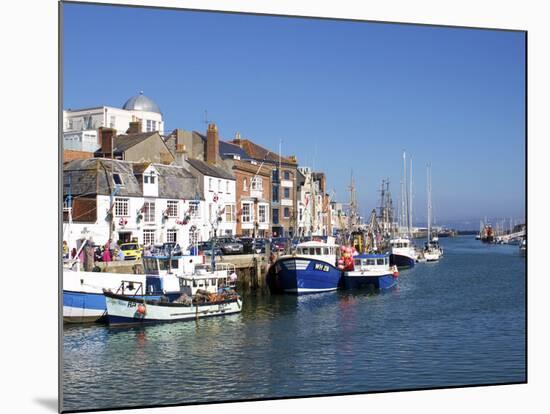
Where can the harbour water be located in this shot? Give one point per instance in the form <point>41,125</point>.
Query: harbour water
<point>457,322</point>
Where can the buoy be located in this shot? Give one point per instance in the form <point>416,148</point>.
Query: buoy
<point>141,309</point>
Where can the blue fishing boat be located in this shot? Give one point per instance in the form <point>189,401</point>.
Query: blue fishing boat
<point>311,269</point>
<point>371,271</point>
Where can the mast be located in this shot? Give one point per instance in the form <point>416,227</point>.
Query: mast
<point>410,196</point>
<point>429,187</point>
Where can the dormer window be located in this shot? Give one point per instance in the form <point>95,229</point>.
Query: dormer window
<point>118,179</point>
<point>149,179</point>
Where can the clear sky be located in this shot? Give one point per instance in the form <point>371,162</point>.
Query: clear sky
<point>340,95</point>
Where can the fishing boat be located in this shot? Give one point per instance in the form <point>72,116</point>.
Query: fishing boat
<point>310,269</point>
<point>371,271</point>
<point>83,299</point>
<point>183,297</point>
<point>487,235</point>
<point>403,253</point>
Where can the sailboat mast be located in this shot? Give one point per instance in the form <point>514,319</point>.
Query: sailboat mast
<point>429,187</point>
<point>410,196</point>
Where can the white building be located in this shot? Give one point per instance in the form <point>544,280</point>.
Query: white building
<point>80,125</point>
<point>311,217</point>
<point>123,201</point>
<point>218,187</point>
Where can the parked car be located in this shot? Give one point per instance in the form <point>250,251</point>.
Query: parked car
<point>131,251</point>
<point>172,248</point>
<point>252,246</point>
<point>206,249</point>
<point>280,244</point>
<point>229,245</point>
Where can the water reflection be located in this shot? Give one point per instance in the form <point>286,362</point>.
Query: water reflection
<point>456,322</point>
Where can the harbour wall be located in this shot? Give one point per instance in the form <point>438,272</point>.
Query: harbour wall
<point>251,269</point>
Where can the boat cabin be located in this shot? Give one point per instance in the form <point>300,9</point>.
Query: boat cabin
<point>317,250</point>
<point>400,243</point>
<point>371,262</point>
<point>185,274</point>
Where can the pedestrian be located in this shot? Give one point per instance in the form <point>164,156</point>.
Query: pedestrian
<point>65,250</point>
<point>107,252</point>
<point>89,257</point>
<point>73,253</point>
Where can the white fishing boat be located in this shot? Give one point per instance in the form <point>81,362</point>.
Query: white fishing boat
<point>171,294</point>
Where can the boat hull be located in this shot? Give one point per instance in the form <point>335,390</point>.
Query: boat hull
<point>401,261</point>
<point>355,280</point>
<point>124,310</point>
<point>83,300</point>
<point>300,276</point>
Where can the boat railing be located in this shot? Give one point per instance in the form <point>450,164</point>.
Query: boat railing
<point>129,284</point>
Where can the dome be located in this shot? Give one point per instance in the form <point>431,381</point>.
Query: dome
<point>141,103</point>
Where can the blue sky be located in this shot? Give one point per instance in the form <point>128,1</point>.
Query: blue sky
<point>341,95</point>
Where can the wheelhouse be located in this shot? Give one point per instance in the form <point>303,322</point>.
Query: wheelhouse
<point>371,261</point>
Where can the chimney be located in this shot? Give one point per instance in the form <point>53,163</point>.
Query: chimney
<point>237,139</point>
<point>135,128</point>
<point>212,144</point>
<point>106,138</point>
<point>181,150</point>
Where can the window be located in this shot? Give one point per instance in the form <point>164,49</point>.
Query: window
<point>112,122</point>
<point>371,262</point>
<point>301,214</point>
<point>379,262</point>
<point>275,194</point>
<point>246,213</point>
<point>219,186</point>
<point>229,212</point>
<point>149,125</point>
<point>256,183</point>
<point>325,250</point>
<point>149,179</point>
<point>117,179</point>
<point>148,237</point>
<point>153,125</point>
<point>262,214</point>
<point>287,175</point>
<point>286,213</point>
<point>275,216</point>
<point>317,250</point>
<point>227,187</point>
<point>172,208</point>
<point>275,176</point>
<point>287,192</point>
<point>193,236</point>
<point>149,211</point>
<point>172,236</point>
<point>210,184</point>
<point>121,206</point>
<point>194,211</point>
<point>245,185</point>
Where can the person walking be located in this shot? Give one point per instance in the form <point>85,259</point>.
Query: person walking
<point>107,252</point>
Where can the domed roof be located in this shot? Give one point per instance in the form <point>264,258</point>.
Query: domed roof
<point>141,103</point>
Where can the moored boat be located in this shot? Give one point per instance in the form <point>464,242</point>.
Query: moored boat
<point>83,299</point>
<point>199,296</point>
<point>311,269</point>
<point>403,254</point>
<point>371,271</point>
